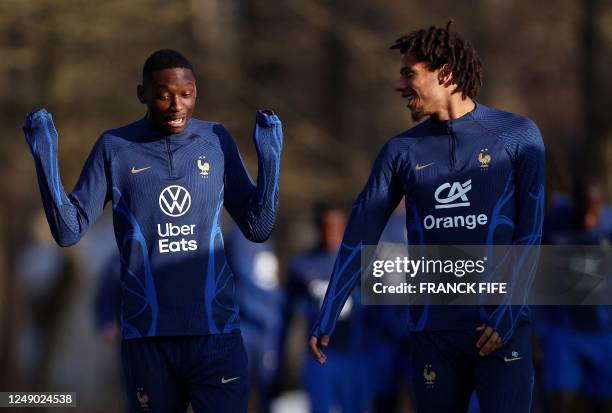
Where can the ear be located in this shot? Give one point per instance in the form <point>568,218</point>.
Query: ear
<point>445,76</point>
<point>140,92</point>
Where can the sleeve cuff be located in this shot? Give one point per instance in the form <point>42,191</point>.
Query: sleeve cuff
<point>34,119</point>
<point>40,113</point>
<point>503,327</point>
<point>316,332</point>
<point>266,117</point>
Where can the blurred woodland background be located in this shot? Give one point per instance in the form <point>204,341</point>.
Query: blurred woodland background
<point>324,67</point>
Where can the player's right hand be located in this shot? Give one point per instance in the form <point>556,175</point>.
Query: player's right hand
<point>316,347</point>
<point>489,341</point>
<point>267,118</point>
<point>35,124</point>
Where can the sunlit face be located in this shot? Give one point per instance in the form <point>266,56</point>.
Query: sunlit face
<point>423,89</point>
<point>331,227</point>
<point>170,96</point>
<point>593,208</point>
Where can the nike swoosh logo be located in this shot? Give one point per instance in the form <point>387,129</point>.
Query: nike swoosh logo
<point>224,380</point>
<point>419,167</point>
<point>135,171</point>
<point>508,359</point>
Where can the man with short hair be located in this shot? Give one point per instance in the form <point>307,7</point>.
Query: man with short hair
<point>461,149</point>
<point>168,175</point>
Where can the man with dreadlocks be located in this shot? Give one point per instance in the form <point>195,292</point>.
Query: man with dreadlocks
<point>492,162</point>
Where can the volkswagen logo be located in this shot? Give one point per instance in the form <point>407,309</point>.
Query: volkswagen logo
<point>174,200</point>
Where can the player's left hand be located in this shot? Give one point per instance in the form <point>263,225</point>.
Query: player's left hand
<point>316,348</point>
<point>489,341</point>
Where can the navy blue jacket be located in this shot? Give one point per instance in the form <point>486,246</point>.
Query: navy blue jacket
<point>475,180</point>
<point>167,191</point>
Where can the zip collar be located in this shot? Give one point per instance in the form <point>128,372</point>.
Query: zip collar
<point>448,125</point>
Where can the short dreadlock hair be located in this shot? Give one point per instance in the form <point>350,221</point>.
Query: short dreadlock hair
<point>437,47</point>
<point>164,59</point>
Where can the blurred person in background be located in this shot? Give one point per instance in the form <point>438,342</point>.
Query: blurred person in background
<point>576,341</point>
<point>259,296</point>
<point>47,278</point>
<point>107,301</point>
<point>387,327</point>
<point>107,321</point>
<point>464,159</point>
<point>180,320</point>
<point>343,383</point>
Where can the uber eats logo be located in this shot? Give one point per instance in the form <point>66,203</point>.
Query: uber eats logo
<point>453,195</point>
<point>175,201</point>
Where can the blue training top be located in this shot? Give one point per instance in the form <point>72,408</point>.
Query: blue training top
<point>560,229</point>
<point>475,180</point>
<point>167,191</point>
<point>307,281</point>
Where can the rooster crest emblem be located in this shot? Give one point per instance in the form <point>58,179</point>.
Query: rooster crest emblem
<point>203,166</point>
<point>143,398</point>
<point>484,158</point>
<point>429,374</point>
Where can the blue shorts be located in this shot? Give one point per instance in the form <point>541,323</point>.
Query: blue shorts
<point>446,369</point>
<point>577,362</point>
<point>165,374</point>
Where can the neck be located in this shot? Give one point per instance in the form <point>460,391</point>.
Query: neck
<point>455,107</point>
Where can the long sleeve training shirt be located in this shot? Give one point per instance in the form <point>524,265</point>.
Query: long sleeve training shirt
<point>475,180</point>
<point>167,192</point>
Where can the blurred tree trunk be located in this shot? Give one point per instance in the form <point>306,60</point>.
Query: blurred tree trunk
<point>598,85</point>
<point>335,85</point>
<point>36,74</point>
<point>5,344</point>
<point>214,30</point>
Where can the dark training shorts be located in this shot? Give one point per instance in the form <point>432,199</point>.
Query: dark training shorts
<point>447,369</point>
<point>165,374</point>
